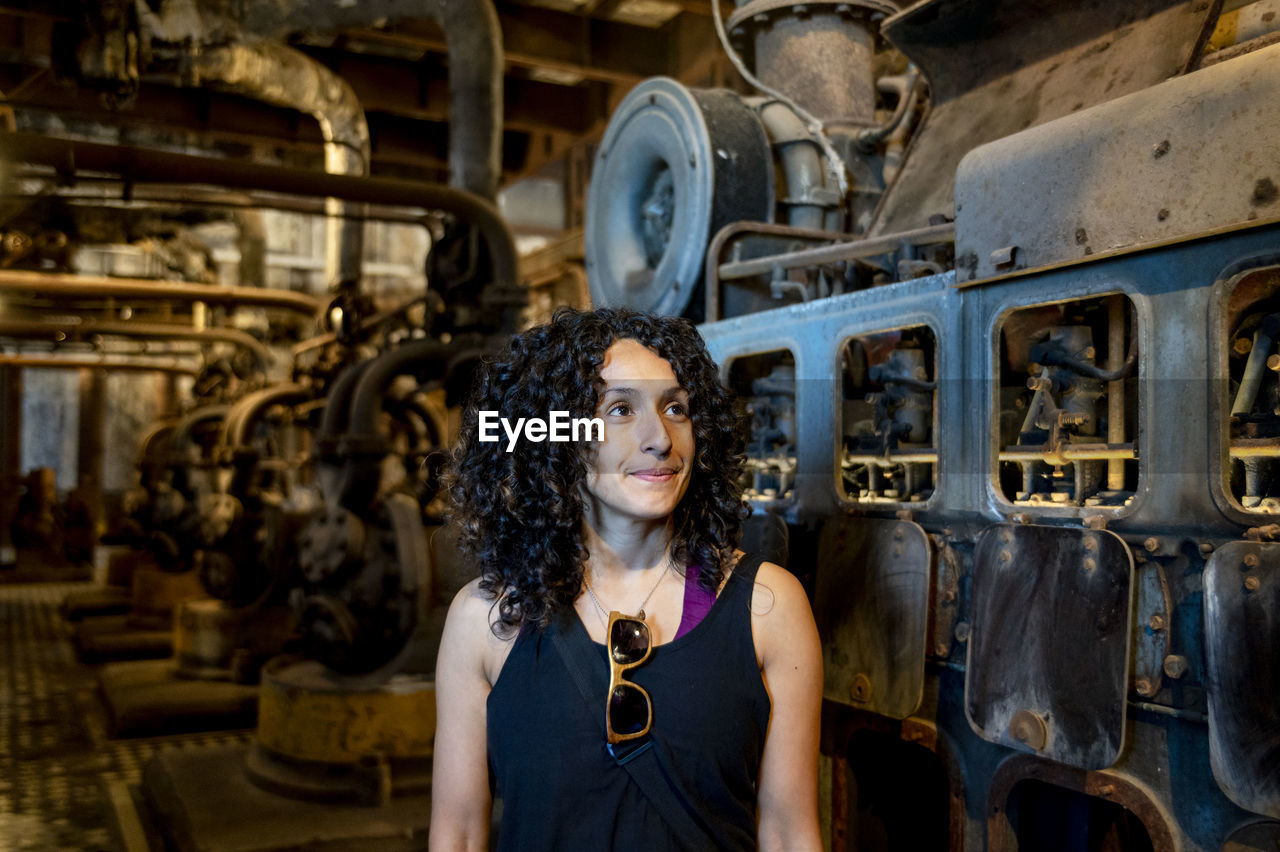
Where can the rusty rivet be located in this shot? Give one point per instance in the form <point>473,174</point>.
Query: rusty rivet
<point>1106,790</point>
<point>1157,622</point>
<point>949,596</point>
<point>1152,544</point>
<point>1090,564</point>
<point>1006,556</point>
<point>897,534</point>
<point>1251,559</point>
<point>1175,666</point>
<point>961,632</point>
<point>1144,687</point>
<point>861,689</point>
<point>1006,536</point>
<point>1090,544</point>
<point>1273,362</point>
<point>1242,345</point>
<point>943,649</point>
<point>1029,729</point>
<point>1251,583</point>
<point>1206,547</point>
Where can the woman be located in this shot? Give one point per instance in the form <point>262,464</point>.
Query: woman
<point>628,543</point>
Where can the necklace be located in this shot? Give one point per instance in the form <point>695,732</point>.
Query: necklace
<point>605,613</point>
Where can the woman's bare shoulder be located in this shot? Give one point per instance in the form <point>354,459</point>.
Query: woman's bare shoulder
<point>470,630</point>
<point>780,612</point>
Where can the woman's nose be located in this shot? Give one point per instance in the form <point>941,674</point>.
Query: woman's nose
<point>654,437</point>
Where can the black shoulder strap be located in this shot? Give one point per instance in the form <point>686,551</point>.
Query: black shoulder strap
<point>642,764</point>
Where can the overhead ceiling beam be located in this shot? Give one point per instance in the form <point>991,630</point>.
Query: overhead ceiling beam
<point>546,40</point>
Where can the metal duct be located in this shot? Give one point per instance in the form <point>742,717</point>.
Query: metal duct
<point>280,75</point>
<point>474,39</point>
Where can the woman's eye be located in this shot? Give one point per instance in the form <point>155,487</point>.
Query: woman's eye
<point>677,409</point>
<point>619,409</point>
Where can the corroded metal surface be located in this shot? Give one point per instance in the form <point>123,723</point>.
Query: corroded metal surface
<point>1158,144</point>
<point>1025,62</point>
<point>308,713</point>
<point>1049,649</point>
<point>872,597</point>
<point>1242,651</point>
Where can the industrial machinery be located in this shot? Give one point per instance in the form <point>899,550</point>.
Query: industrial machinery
<point>1009,347</point>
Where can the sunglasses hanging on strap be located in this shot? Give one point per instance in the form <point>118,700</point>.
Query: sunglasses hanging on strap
<point>628,716</point>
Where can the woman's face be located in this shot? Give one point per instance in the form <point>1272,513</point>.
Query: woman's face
<point>641,469</point>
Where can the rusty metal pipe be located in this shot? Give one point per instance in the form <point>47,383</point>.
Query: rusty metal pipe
<point>1115,390</point>
<point>55,363</point>
<point>280,75</point>
<point>841,251</point>
<point>38,329</point>
<point>142,165</point>
<point>53,284</point>
<point>246,413</point>
<point>474,39</point>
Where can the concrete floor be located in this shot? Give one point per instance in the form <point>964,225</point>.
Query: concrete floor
<point>64,786</point>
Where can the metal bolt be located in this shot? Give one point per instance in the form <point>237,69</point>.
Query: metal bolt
<point>1157,622</point>
<point>1251,583</point>
<point>1206,547</point>
<point>1251,559</point>
<point>961,632</point>
<point>1175,666</point>
<point>1029,729</point>
<point>1144,687</point>
<point>1152,544</point>
<point>1242,345</point>
<point>1273,363</point>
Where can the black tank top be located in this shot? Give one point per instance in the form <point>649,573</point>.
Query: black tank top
<point>559,786</point>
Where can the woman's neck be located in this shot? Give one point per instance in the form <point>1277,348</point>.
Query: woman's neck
<point>620,549</point>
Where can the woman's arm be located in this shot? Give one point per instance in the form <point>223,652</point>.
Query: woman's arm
<point>790,656</point>
<point>460,797</point>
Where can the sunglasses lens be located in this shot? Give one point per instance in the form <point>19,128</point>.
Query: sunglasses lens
<point>628,709</point>
<point>629,641</point>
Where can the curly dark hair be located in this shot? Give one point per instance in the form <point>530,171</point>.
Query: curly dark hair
<point>521,513</point>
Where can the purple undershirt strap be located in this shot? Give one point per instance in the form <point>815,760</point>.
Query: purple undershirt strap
<point>697,601</point>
